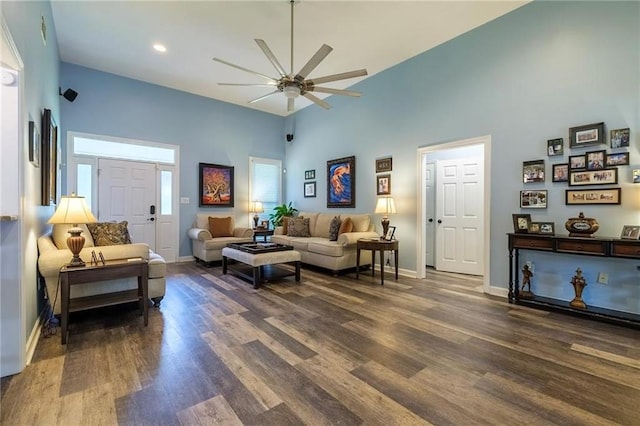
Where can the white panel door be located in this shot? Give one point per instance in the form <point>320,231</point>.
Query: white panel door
<point>459,211</point>
<point>430,210</point>
<point>127,191</point>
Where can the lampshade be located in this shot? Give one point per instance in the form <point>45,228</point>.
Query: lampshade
<point>385,206</point>
<point>256,207</point>
<point>73,210</point>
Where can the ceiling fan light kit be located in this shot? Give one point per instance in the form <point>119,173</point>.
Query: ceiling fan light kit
<point>296,85</point>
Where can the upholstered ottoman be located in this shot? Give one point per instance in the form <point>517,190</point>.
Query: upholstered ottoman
<point>261,267</point>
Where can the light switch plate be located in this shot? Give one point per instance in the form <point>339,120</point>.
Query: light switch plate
<point>184,200</point>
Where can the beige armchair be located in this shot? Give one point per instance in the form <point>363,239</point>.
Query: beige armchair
<point>211,233</point>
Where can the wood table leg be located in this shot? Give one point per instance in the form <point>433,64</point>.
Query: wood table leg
<point>396,261</point>
<point>256,276</point>
<point>357,263</point>
<point>224,265</point>
<point>373,263</point>
<point>298,271</point>
<point>381,267</point>
<point>64,312</point>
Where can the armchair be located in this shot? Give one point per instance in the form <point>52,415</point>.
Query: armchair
<point>211,233</point>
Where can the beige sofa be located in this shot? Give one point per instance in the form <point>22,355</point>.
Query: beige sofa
<point>53,254</point>
<point>205,247</point>
<point>333,255</point>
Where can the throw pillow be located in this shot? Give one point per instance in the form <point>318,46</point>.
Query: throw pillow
<point>109,233</point>
<point>298,227</point>
<point>220,226</point>
<point>285,225</point>
<point>346,226</point>
<point>334,228</point>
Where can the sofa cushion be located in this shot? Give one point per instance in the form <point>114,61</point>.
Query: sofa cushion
<point>323,223</point>
<point>334,228</point>
<point>59,235</point>
<point>285,225</point>
<point>220,242</point>
<point>221,226</point>
<point>346,225</point>
<point>313,218</point>
<point>298,227</point>
<point>325,247</point>
<point>109,233</point>
<point>361,222</point>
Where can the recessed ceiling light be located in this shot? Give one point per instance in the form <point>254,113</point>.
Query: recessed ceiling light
<point>159,47</point>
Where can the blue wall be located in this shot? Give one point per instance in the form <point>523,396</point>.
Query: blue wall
<point>206,130</point>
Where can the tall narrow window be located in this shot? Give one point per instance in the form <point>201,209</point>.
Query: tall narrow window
<point>266,184</point>
<point>165,192</point>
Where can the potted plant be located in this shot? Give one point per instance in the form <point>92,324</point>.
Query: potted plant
<point>281,211</point>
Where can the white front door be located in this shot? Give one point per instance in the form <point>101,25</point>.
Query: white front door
<point>127,191</point>
<point>459,218</point>
<point>430,209</point>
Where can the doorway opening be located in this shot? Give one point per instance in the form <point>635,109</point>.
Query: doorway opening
<point>454,208</point>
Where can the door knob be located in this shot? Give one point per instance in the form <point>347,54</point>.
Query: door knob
<point>439,221</point>
<point>151,219</point>
<point>430,220</point>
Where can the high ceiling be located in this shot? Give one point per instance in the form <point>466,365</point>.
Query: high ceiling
<point>117,37</point>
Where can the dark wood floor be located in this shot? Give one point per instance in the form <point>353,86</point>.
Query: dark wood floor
<point>329,351</point>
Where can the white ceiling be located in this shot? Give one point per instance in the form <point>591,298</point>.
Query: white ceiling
<point>117,37</point>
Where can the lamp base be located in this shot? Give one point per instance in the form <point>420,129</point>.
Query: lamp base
<point>75,243</point>
<point>256,218</point>
<point>385,226</point>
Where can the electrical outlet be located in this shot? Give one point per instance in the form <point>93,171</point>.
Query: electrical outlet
<point>603,278</point>
<point>530,265</point>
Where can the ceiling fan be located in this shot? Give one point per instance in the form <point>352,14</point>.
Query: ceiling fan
<point>297,85</point>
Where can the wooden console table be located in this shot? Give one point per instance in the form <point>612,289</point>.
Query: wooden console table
<point>600,247</point>
<point>113,269</point>
<point>376,245</point>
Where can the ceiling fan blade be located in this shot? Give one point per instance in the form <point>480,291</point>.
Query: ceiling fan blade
<point>313,62</point>
<point>317,100</point>
<point>271,57</point>
<point>264,96</point>
<point>290,104</point>
<point>336,77</point>
<point>248,84</point>
<point>245,69</point>
<point>334,91</point>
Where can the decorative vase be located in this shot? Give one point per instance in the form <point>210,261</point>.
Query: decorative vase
<point>581,226</point>
<point>579,283</point>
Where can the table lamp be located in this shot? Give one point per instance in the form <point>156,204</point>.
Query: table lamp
<point>73,210</point>
<point>385,206</point>
<point>256,207</point>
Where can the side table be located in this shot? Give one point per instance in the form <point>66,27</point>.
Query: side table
<point>113,269</point>
<point>264,233</point>
<point>377,245</point>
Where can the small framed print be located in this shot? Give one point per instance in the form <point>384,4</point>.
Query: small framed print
<point>560,172</point>
<point>310,189</point>
<point>619,138</point>
<point>533,171</point>
<point>555,147</point>
<point>534,228</point>
<point>391,232</point>
<point>384,165</point>
<point>34,144</point>
<point>577,162</point>
<point>593,177</point>
<point>310,174</point>
<point>636,175</point>
<point>533,199</point>
<point>630,232</point>
<point>521,223</point>
<point>547,228</point>
<point>589,134</point>
<point>595,159</point>
<point>383,183</point>
<point>592,196</point>
<point>617,159</point>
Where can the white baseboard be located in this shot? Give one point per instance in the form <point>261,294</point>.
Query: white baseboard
<point>499,291</point>
<point>185,259</point>
<point>34,337</point>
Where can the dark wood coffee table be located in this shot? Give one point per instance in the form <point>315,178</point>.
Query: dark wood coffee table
<point>259,262</point>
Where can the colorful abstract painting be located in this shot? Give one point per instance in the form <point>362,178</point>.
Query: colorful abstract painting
<point>216,185</point>
<point>341,182</point>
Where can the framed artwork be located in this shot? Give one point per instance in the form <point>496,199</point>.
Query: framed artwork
<point>309,174</point>
<point>592,196</point>
<point>310,189</point>
<point>534,228</point>
<point>548,228</point>
<point>560,172</point>
<point>589,134</point>
<point>635,176</point>
<point>49,160</point>
<point>595,159</point>
<point>533,171</point>
<point>593,177</point>
<point>577,162</point>
<point>341,182</point>
<point>616,159</point>
<point>555,147</point>
<point>521,223</point>
<point>391,232</point>
<point>630,232</point>
<point>533,199</point>
<point>34,144</point>
<point>620,138</point>
<point>383,184</point>
<point>384,165</point>
<point>216,185</point>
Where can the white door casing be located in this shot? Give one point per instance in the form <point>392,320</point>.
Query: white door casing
<point>430,209</point>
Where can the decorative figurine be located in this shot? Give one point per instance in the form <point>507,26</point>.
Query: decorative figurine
<point>526,282</point>
<point>579,283</point>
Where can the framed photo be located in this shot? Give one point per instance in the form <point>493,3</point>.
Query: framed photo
<point>620,138</point>
<point>341,182</point>
<point>521,223</point>
<point>216,185</point>
<point>592,196</point>
<point>384,165</point>
<point>630,232</point>
<point>383,183</point>
<point>577,162</point>
<point>589,134</point>
<point>310,189</point>
<point>547,228</point>
<point>49,160</point>
<point>595,159</point>
<point>555,147</point>
<point>34,144</point>
<point>534,228</point>
<point>533,171</point>
<point>560,172</point>
<point>636,175</point>
<point>616,159</point>
<point>391,232</point>
<point>533,199</point>
<point>309,174</point>
<point>593,177</point>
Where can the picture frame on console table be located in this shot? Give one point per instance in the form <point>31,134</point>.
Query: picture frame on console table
<point>586,135</point>
<point>521,223</point>
<point>216,185</point>
<point>630,232</point>
<point>593,196</point>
